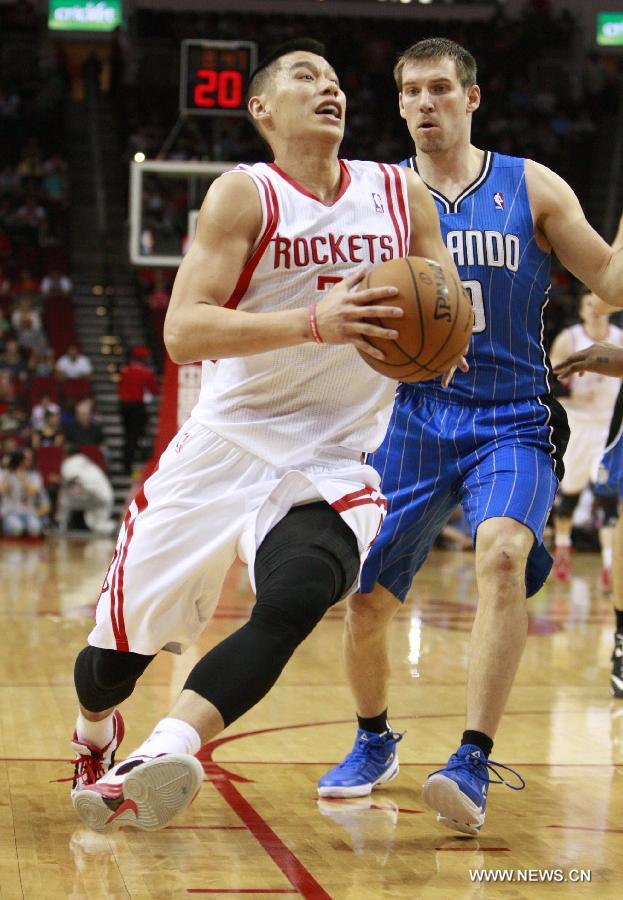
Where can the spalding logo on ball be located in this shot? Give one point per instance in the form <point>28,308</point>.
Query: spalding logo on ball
<point>437,322</point>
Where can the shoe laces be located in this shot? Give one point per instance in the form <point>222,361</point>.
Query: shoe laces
<point>88,767</point>
<point>364,747</point>
<point>475,762</point>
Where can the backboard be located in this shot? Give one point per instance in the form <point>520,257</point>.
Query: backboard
<point>165,198</point>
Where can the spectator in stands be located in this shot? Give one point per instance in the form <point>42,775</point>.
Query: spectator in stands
<point>25,283</point>
<point>41,362</point>
<point>158,300</point>
<point>5,327</point>
<point>26,323</point>
<point>137,385</point>
<point>50,433</point>
<point>11,414</point>
<point>24,501</point>
<point>85,429</point>
<point>31,221</point>
<point>38,414</point>
<point>12,359</point>
<point>30,164</point>
<point>55,284</point>
<point>5,282</point>
<point>160,293</point>
<point>54,181</point>
<point>86,487</point>
<point>7,390</point>
<point>73,364</point>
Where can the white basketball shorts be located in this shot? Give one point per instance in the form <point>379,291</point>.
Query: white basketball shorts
<point>584,450</point>
<point>207,501</point>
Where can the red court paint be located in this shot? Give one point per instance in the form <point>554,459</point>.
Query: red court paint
<point>303,881</point>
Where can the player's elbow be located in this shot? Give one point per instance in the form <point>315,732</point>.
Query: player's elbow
<point>177,343</point>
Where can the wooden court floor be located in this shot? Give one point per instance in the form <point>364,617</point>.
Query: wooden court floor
<point>257,827</point>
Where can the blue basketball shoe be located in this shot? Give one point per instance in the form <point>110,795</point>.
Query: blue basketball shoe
<point>372,761</point>
<point>458,792</point>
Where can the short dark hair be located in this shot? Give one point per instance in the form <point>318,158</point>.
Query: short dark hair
<point>264,70</point>
<point>16,458</point>
<point>437,48</point>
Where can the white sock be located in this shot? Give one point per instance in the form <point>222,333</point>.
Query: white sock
<point>606,557</point>
<point>97,733</point>
<point>562,540</point>
<point>170,736</point>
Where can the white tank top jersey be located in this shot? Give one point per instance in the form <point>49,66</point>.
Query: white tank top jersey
<point>309,403</point>
<point>592,396</point>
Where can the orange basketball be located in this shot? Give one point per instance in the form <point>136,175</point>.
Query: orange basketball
<point>437,322</point>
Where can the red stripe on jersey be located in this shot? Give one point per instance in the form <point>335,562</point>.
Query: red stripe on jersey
<point>272,213</point>
<point>359,498</point>
<point>345,180</point>
<point>402,207</point>
<point>392,212</point>
<point>115,575</point>
<point>122,639</point>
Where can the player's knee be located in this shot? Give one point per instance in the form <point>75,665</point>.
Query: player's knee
<point>566,504</point>
<point>304,565</point>
<point>607,505</point>
<point>502,556</point>
<point>104,678</point>
<point>368,615</point>
<point>295,597</point>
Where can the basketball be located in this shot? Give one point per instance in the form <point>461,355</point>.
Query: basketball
<point>437,322</point>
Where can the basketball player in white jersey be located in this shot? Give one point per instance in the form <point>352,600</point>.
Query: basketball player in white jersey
<point>589,410</point>
<point>271,462</point>
<point>606,359</point>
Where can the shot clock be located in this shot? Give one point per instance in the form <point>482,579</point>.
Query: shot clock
<point>214,76</point>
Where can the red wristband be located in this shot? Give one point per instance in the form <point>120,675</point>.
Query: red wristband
<point>313,323</point>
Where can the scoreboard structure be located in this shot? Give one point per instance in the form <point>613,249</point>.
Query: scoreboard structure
<point>214,76</point>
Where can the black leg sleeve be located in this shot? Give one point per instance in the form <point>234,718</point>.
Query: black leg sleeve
<point>303,567</point>
<point>104,678</point>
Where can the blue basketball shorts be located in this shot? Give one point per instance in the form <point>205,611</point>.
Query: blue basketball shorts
<point>498,460</point>
<point>610,475</point>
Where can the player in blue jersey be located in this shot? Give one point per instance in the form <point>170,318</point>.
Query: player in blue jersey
<point>492,441</point>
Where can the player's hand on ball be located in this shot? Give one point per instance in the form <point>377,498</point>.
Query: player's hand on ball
<point>462,364</point>
<point>602,358</point>
<point>342,316</point>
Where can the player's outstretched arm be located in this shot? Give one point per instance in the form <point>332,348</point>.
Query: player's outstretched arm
<point>603,358</point>
<point>561,224</point>
<point>198,326</point>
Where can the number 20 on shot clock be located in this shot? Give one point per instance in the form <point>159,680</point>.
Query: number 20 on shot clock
<point>214,76</point>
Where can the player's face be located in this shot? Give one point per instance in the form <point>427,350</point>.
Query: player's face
<point>305,98</point>
<point>435,105</point>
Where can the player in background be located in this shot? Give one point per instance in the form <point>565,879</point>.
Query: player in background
<point>606,359</point>
<point>271,462</point>
<point>492,441</point>
<point>589,408</point>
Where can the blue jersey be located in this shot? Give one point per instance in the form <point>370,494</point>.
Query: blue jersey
<point>489,232</point>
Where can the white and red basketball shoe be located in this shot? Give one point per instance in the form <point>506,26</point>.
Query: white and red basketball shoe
<point>92,762</point>
<point>562,564</point>
<point>141,792</point>
<point>605,580</point>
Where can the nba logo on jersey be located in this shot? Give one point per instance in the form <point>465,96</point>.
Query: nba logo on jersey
<point>378,203</point>
<point>498,199</point>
